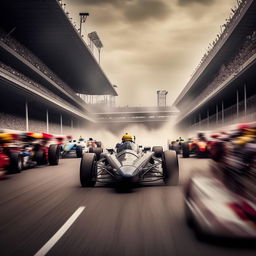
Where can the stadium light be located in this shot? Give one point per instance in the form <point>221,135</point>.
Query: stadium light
<point>83,17</point>
<point>93,36</point>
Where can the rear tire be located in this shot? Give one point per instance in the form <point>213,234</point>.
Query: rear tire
<point>16,164</point>
<point>170,167</point>
<point>96,151</point>
<point>40,157</point>
<point>185,150</point>
<point>54,154</point>
<point>171,147</point>
<point>99,144</point>
<point>217,151</point>
<point>158,150</point>
<point>88,170</point>
<point>79,151</point>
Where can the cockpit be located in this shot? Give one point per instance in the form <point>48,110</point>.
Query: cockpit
<point>126,145</point>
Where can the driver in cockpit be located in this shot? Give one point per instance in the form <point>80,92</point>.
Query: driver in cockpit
<point>127,137</point>
<point>126,143</point>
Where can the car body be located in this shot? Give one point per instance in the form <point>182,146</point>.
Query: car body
<point>196,146</point>
<point>175,145</point>
<point>79,146</point>
<point>223,203</point>
<point>38,149</point>
<point>10,161</point>
<point>127,164</point>
<point>213,209</point>
<point>19,151</point>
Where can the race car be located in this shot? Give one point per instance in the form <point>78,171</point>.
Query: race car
<point>9,160</point>
<point>175,145</point>
<point>37,149</point>
<point>224,202</point>
<point>128,164</point>
<point>197,146</point>
<point>214,210</point>
<point>26,150</point>
<point>60,139</point>
<point>79,146</point>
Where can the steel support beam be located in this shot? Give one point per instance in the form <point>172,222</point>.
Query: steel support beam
<point>61,124</point>
<point>47,121</point>
<point>222,112</point>
<point>208,119</point>
<point>245,100</point>
<point>26,115</point>
<point>237,103</point>
<point>217,114</point>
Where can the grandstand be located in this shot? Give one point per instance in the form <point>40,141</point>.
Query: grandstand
<point>44,66</point>
<point>222,89</point>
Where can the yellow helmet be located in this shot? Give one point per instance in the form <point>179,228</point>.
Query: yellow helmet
<point>127,137</point>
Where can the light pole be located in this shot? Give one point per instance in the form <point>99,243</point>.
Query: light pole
<point>93,36</point>
<point>83,17</point>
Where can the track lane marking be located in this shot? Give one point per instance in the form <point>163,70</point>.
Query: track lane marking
<point>56,237</point>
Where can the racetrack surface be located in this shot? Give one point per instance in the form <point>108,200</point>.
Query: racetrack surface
<point>148,220</point>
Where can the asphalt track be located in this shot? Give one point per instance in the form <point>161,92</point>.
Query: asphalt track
<point>148,220</point>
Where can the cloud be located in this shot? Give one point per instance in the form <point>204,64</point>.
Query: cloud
<point>131,10</point>
<point>151,44</point>
<point>142,10</point>
<point>101,2</point>
<point>187,2</point>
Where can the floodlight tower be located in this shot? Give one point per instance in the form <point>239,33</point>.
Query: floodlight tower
<point>93,36</point>
<point>83,17</point>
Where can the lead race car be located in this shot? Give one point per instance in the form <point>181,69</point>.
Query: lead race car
<point>128,164</point>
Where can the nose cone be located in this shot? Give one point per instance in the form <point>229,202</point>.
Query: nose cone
<point>127,173</point>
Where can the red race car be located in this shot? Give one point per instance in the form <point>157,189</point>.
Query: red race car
<point>197,146</point>
<point>37,149</point>
<point>10,159</point>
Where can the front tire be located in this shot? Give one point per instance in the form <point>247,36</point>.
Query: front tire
<point>16,164</point>
<point>158,150</point>
<point>99,144</point>
<point>96,151</point>
<point>79,151</point>
<point>88,170</point>
<point>40,157</point>
<point>185,150</point>
<point>170,167</point>
<point>54,154</point>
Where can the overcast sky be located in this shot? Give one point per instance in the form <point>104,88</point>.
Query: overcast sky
<point>151,45</point>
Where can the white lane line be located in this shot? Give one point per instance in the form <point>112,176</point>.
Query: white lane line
<point>47,247</point>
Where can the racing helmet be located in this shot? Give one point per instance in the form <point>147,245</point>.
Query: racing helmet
<point>127,137</point>
<point>81,138</point>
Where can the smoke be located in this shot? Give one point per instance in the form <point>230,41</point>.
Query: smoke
<point>147,134</point>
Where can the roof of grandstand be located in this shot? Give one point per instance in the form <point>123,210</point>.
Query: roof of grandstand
<point>44,28</point>
<point>236,29</point>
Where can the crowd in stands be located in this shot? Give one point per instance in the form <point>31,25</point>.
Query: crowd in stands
<point>31,58</point>
<point>225,28</point>
<point>229,70</point>
<point>8,121</point>
<point>31,83</point>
